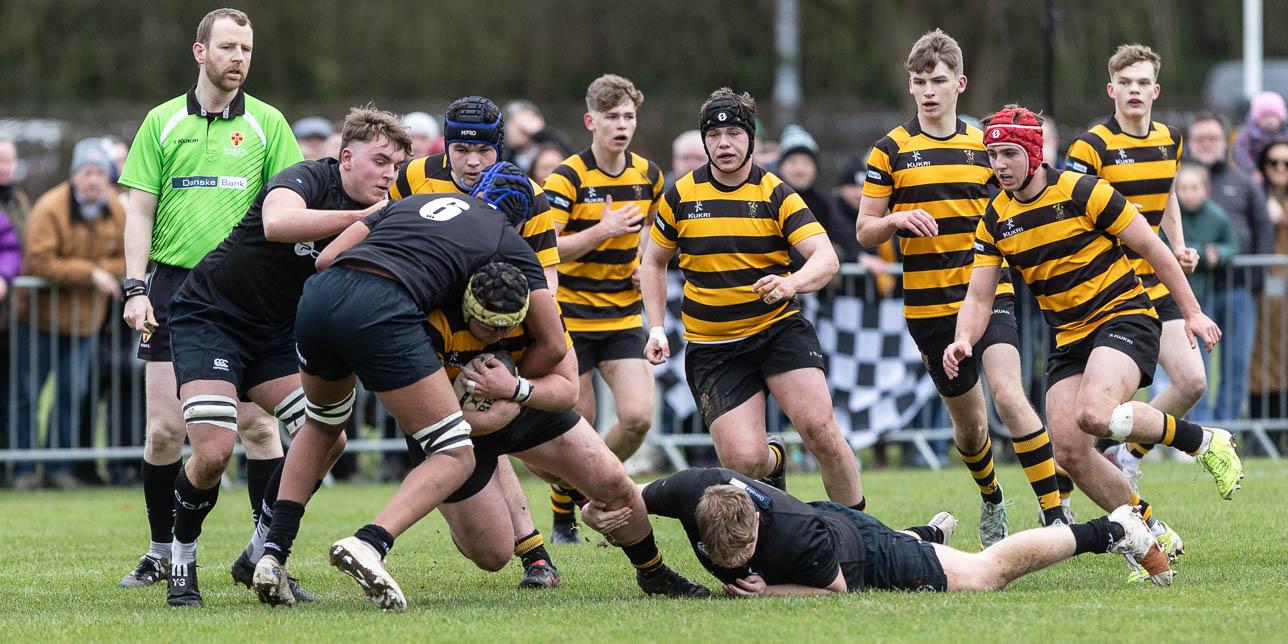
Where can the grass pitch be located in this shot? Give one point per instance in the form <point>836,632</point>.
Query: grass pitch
<point>61,555</point>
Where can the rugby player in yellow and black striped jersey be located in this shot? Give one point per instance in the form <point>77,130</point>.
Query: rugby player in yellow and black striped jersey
<point>601,199</point>
<point>927,181</point>
<point>1139,158</point>
<point>474,134</point>
<point>533,420</point>
<point>733,223</point>
<point>1064,232</point>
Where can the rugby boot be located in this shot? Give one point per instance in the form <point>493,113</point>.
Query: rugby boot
<point>540,574</point>
<point>181,586</point>
<point>1222,462</point>
<point>149,571</point>
<point>670,583</point>
<point>243,572</point>
<point>357,559</point>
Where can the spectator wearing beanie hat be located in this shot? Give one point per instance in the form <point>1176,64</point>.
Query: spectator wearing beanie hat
<point>74,240</point>
<point>798,167</point>
<point>426,135</point>
<point>1267,119</point>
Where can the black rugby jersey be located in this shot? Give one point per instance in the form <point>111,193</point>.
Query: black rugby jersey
<point>433,243</point>
<point>261,280</point>
<point>796,543</point>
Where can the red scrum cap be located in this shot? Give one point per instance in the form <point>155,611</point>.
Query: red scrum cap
<point>1019,127</point>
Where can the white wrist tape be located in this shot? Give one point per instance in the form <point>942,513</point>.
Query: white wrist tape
<point>522,391</point>
<point>658,333</point>
<point>1120,422</point>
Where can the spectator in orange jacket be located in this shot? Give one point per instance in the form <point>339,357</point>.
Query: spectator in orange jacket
<point>74,239</point>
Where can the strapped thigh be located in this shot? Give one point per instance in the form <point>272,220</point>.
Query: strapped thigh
<point>449,433</point>
<point>209,409</point>
<point>291,412</point>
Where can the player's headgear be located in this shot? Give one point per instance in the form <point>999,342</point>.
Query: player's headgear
<point>505,187</point>
<point>1018,127</point>
<point>474,119</point>
<point>726,108</point>
<point>497,295</point>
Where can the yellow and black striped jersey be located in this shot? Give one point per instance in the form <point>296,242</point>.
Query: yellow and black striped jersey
<point>449,332</point>
<point>1140,168</point>
<point>947,178</point>
<point>595,290</point>
<point>432,175</point>
<point>728,238</point>
<point>1065,245</point>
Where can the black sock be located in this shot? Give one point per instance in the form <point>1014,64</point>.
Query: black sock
<point>928,533</point>
<point>1095,536</point>
<point>531,549</point>
<point>644,555</point>
<point>158,498</point>
<point>191,507</point>
<point>861,506</point>
<point>286,517</point>
<point>271,487</point>
<point>258,473</point>
<point>376,537</point>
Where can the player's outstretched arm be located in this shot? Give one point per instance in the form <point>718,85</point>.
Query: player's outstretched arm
<point>355,233</point>
<point>653,289</point>
<point>973,317</point>
<point>140,217</point>
<point>755,585</point>
<point>287,218</point>
<point>547,331</point>
<point>1141,238</point>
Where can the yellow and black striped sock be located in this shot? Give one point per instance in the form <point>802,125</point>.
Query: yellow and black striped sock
<point>1138,450</point>
<point>1181,434</point>
<point>644,554</point>
<point>779,459</point>
<point>1146,512</point>
<point>1038,460</point>
<point>531,548</point>
<point>1064,483</point>
<point>981,468</point>
<point>563,500</point>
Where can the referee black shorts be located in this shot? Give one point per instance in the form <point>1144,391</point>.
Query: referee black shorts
<point>164,281</point>
<point>933,335</point>
<point>351,321</point>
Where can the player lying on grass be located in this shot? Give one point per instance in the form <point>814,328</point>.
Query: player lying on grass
<point>759,540</point>
<point>534,420</point>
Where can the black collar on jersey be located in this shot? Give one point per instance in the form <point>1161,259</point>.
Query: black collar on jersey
<point>704,174</point>
<point>1114,127</point>
<point>235,108</point>
<point>588,159</point>
<point>913,128</point>
<point>1052,178</point>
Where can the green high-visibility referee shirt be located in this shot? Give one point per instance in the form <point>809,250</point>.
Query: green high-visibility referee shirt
<point>206,169</point>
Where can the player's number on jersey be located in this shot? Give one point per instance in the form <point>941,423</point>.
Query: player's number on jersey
<point>443,208</point>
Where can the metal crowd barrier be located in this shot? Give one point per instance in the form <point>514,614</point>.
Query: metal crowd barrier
<point>107,417</point>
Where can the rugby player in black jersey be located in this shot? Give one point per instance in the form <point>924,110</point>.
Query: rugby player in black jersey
<point>759,540</point>
<point>232,322</point>
<point>364,316</point>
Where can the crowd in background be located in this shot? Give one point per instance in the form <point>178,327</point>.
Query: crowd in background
<point>66,344</point>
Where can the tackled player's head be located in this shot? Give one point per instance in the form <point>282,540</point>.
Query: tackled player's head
<point>727,122</point>
<point>496,301</point>
<point>373,145</point>
<point>505,187</point>
<point>474,134</point>
<point>727,524</point>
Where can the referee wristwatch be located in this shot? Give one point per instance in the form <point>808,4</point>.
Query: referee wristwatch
<point>131,287</point>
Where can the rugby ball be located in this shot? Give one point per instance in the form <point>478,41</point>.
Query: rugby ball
<point>473,402</point>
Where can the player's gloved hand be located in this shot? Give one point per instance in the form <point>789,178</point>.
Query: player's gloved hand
<point>658,348</point>
<point>749,586</point>
<point>1202,327</point>
<point>954,354</point>
<point>1188,258</point>
<point>918,222</point>
<point>491,380</point>
<point>138,314</point>
<point>614,222</point>
<point>597,515</point>
<point>775,288</point>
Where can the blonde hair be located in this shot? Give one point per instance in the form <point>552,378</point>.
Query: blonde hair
<point>727,524</point>
<point>608,91</point>
<point>1127,55</point>
<point>932,48</point>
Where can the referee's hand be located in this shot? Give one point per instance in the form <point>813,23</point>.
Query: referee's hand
<point>953,355</point>
<point>138,314</point>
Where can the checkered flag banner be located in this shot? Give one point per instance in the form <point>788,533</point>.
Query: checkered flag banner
<point>877,378</point>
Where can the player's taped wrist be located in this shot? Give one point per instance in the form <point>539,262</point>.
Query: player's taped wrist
<point>522,390</point>
<point>659,333</point>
